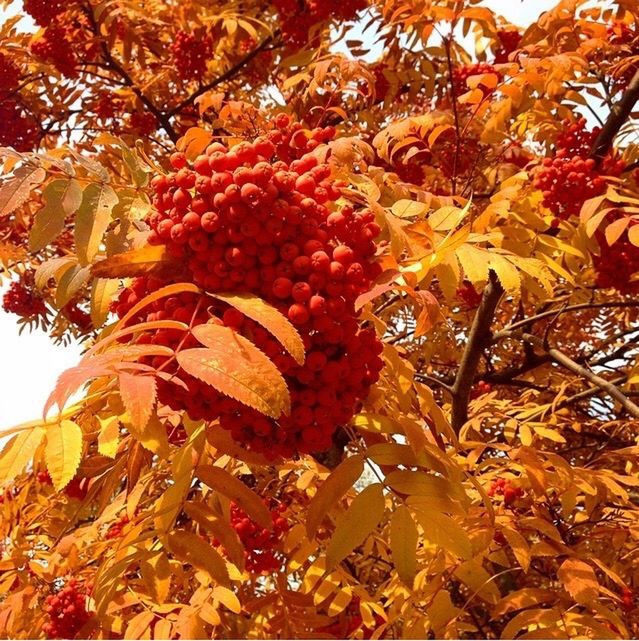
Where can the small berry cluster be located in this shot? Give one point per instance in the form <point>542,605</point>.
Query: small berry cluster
<point>480,388</point>
<point>462,74</point>
<point>44,12</point>
<point>77,488</point>
<point>571,177</point>
<point>115,529</point>
<point>44,478</point>
<point>22,299</point>
<point>295,25</point>
<point>259,68</point>
<point>507,42</point>
<point>616,265</point>
<point>143,123</point>
<point>627,599</point>
<point>191,54</point>
<point>67,611</point>
<point>504,487</point>
<point>106,106</point>
<point>260,544</point>
<point>241,221</point>
<point>17,129</point>
<point>469,295</point>
<point>55,46</point>
<point>10,74</point>
<point>77,316</point>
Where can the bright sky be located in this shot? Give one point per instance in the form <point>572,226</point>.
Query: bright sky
<point>31,363</point>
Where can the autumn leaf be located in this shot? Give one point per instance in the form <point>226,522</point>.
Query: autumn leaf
<point>234,366</point>
<point>361,518</point>
<point>18,451</point>
<point>331,490</point>
<point>92,220</point>
<point>190,548</point>
<point>270,318</point>
<point>63,452</point>
<point>403,540</point>
<point>16,189</point>
<point>579,579</point>
<point>136,262</point>
<point>138,394</point>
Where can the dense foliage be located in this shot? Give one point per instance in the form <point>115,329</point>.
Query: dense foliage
<point>357,285</point>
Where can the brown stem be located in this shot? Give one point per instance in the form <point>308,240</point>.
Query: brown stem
<point>618,115</point>
<point>478,338</point>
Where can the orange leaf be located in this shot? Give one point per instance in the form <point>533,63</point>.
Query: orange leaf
<point>234,366</point>
<point>133,263</point>
<point>269,318</point>
<point>225,483</point>
<point>138,394</point>
<point>579,580</point>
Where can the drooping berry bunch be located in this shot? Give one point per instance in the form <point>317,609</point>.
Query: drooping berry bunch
<point>143,123</point>
<point>44,478</point>
<point>191,54</point>
<point>480,388</point>
<point>18,129</point>
<point>22,299</point>
<point>44,12</point>
<point>507,42</point>
<point>261,218</point>
<point>77,316</point>
<point>115,529</point>
<point>67,611</point>
<point>106,106</point>
<point>10,74</point>
<point>55,46</point>
<point>571,177</point>
<point>616,265</point>
<point>462,74</point>
<point>260,544</point>
<point>504,487</point>
<point>295,24</point>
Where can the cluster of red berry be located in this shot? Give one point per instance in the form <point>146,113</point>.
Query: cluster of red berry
<point>77,316</point>
<point>77,488</point>
<point>22,299</point>
<point>17,128</point>
<point>143,122</point>
<point>627,599</point>
<point>469,295</point>
<point>571,177</point>
<point>259,68</point>
<point>507,42</point>
<point>191,54</point>
<point>295,24</point>
<point>55,46</point>
<point>480,388</point>
<point>115,529</point>
<point>616,265</point>
<point>382,84</point>
<point>350,621</point>
<point>504,487</point>
<point>240,220</point>
<point>10,74</point>
<point>44,12</point>
<point>462,74</point>
<point>67,611</point>
<point>106,106</point>
<point>44,478</point>
<point>260,544</point>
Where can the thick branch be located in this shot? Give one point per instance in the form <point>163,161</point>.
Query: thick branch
<point>617,117</point>
<point>602,383</point>
<point>478,339</point>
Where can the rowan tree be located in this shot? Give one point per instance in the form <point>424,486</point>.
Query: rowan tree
<point>360,332</point>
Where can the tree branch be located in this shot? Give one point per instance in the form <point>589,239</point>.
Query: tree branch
<point>227,75</point>
<point>616,118</point>
<point>478,339</point>
<point>602,383</point>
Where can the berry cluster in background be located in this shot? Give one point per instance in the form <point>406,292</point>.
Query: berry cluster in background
<point>191,54</point>
<point>262,218</point>
<point>22,299</point>
<point>66,611</point>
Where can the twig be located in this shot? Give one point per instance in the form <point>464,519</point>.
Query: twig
<point>478,338</point>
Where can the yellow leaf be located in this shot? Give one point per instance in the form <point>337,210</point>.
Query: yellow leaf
<point>579,580</point>
<point>472,574</point>
<point>408,208</point>
<point>403,541</point>
<point>234,366</point>
<point>269,318</point>
<point>15,191</point>
<point>92,219</point>
<point>109,436</point>
<point>19,451</point>
<point>63,452</point>
<point>139,625</point>
<point>231,487</point>
<point>102,293</point>
<point>334,487</point>
<point>519,546</point>
<point>136,262</point>
<point>421,483</point>
<point>189,547</point>
<point>361,518</point>
<point>442,531</point>
<point>227,598</point>
<point>156,573</point>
